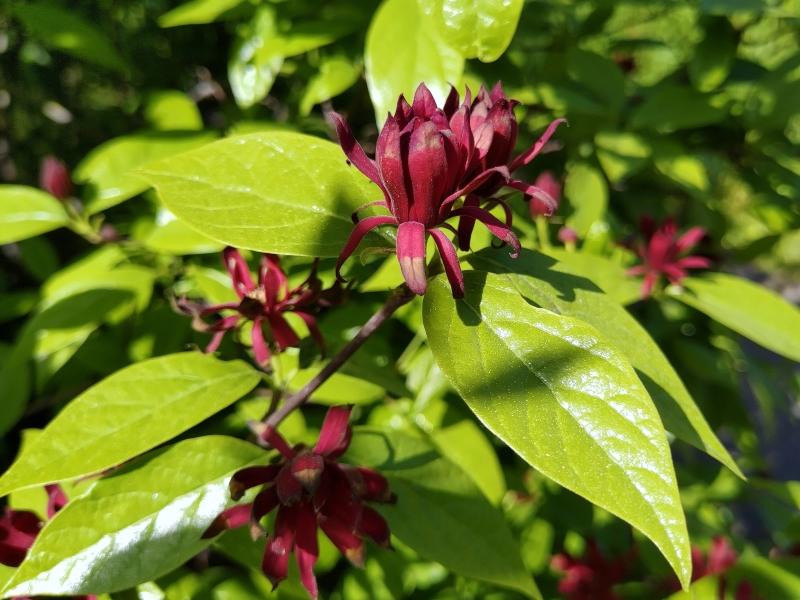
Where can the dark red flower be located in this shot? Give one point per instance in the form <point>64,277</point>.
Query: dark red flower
<point>591,577</point>
<point>263,305</point>
<point>19,528</point>
<point>664,253</point>
<point>54,177</point>
<point>546,203</point>
<point>426,159</point>
<point>311,490</point>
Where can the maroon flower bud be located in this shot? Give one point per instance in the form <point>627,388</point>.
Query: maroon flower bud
<point>546,202</point>
<point>263,304</point>
<point>54,178</point>
<point>567,235</point>
<point>426,159</point>
<point>664,253</point>
<point>310,490</point>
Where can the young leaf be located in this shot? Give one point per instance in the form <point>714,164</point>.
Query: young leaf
<point>137,524</point>
<point>336,75</point>
<point>253,66</point>
<point>275,191</point>
<point>479,29</point>
<point>587,192</point>
<point>545,282</point>
<point>404,47</point>
<point>748,308</point>
<point>26,211</point>
<point>440,513</point>
<point>197,12</point>
<point>128,413</point>
<point>564,399</point>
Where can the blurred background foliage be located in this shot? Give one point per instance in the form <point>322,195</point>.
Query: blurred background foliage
<point>688,109</point>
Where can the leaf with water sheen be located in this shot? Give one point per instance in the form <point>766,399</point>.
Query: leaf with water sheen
<point>26,211</point>
<point>542,280</point>
<point>276,191</point>
<point>135,525</point>
<point>569,403</point>
<point>750,309</point>
<point>129,412</point>
<point>404,47</point>
<point>479,29</point>
<point>440,513</point>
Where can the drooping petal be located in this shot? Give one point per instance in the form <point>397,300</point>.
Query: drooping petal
<point>250,477</point>
<point>694,262</point>
<point>467,224</point>
<point>238,270</point>
<point>282,333</point>
<point>334,437</point>
<point>270,437</point>
<point>368,484</point>
<point>264,503</point>
<point>313,329</point>
<point>690,239</point>
<point>220,328</point>
<point>260,348</point>
<point>428,168</point>
<point>542,202</point>
<point>361,229</point>
<point>496,227</point>
<point>474,184</point>
<point>231,518</point>
<point>56,499</point>
<point>354,214</point>
<point>345,540</point>
<point>649,283</point>
<point>450,261</point>
<point>279,546</point>
<point>374,526</point>
<point>306,550</point>
<point>424,104</point>
<point>353,150</point>
<point>411,255</point>
<point>532,152</point>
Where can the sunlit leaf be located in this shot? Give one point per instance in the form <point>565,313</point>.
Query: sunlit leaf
<point>26,211</point>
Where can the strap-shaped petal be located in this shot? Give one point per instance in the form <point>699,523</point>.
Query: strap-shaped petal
<point>361,229</point>
<point>533,151</point>
<point>334,437</point>
<point>450,261</point>
<point>353,150</point>
<point>495,226</point>
<point>474,184</point>
<point>238,270</point>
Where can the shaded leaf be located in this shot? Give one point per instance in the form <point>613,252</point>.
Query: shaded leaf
<point>587,192</point>
<point>197,12</point>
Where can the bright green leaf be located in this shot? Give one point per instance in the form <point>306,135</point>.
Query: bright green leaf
<point>128,413</point>
<point>403,49</point>
<point>545,282</point>
<point>336,75</point>
<point>65,30</point>
<point>564,399</point>
<point>714,57</point>
<point>137,524</point>
<point>276,191</point>
<point>253,65</point>
<point>106,170</point>
<point>440,513</point>
<point>171,109</point>
<point>26,212</point>
<point>479,29</point>
<point>197,12</point>
<point>748,308</point>
<point>172,236</point>
<point>621,154</point>
<point>609,275</point>
<point>587,192</point>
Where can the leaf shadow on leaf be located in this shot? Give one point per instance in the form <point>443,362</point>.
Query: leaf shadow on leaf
<point>383,456</point>
<point>83,310</point>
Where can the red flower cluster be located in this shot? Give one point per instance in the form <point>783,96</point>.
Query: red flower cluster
<point>664,253</point>
<point>18,528</point>
<point>54,178</point>
<point>721,557</point>
<point>591,577</point>
<point>311,490</point>
<point>427,158</point>
<point>262,304</point>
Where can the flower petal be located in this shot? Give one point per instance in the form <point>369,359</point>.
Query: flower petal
<point>231,518</point>
<point>345,540</point>
<point>276,555</point>
<point>238,270</point>
<point>496,227</point>
<point>260,348</point>
<point>467,224</point>
<point>474,184</point>
<point>694,262</point>
<point>282,333</point>
<point>428,169</point>
<point>450,261</point>
<point>334,437</point>
<point>264,503</point>
<point>353,150</point>
<point>361,229</point>
<point>424,104</point>
<point>690,239</point>
<point>250,477</point>
<point>374,526</point>
<point>306,550</point>
<point>411,255</point>
<point>533,151</point>
<point>391,151</point>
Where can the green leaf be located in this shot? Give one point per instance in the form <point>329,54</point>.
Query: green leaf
<point>600,76</point>
<point>106,170</point>
<point>403,49</point>
<point>65,30</point>
<point>587,192</point>
<point>170,109</point>
<point>748,308</point>
<point>674,107</point>
<point>479,29</point>
<point>137,524</point>
<point>172,236</point>
<point>440,513</point>
<point>253,64</point>
<point>608,274</point>
<point>564,399</point>
<point>769,577</point>
<point>129,412</point>
<point>336,75</point>
<point>276,191</point>
<point>197,12</point>
<point>542,280</point>
<point>714,57</point>
<point>621,154</point>
<point>26,212</point>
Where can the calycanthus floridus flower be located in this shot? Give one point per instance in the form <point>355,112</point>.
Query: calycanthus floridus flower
<point>263,305</point>
<point>664,252</point>
<point>310,490</point>
<point>19,528</point>
<point>426,159</point>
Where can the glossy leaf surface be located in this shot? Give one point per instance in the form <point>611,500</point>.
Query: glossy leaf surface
<point>26,211</point>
